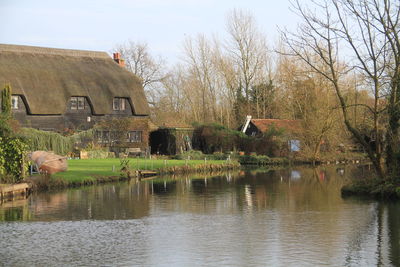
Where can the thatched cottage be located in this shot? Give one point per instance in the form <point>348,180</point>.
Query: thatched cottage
<point>62,89</point>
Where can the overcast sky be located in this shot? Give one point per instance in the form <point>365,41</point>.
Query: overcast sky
<point>101,24</point>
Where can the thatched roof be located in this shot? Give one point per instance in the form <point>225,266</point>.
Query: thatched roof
<point>127,124</point>
<point>48,77</point>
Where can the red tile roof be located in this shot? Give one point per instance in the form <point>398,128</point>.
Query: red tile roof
<point>289,125</point>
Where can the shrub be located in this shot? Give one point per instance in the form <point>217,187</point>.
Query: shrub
<point>262,160</point>
<point>218,156</point>
<point>52,141</point>
<point>192,154</point>
<point>100,154</point>
<point>383,188</point>
<point>11,158</point>
<point>212,138</point>
<point>6,100</point>
<point>12,150</point>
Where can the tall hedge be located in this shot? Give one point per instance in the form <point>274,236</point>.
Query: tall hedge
<point>6,100</point>
<point>12,147</point>
<point>52,141</point>
<point>12,153</point>
<point>212,138</point>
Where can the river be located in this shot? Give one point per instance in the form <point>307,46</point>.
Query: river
<point>288,217</point>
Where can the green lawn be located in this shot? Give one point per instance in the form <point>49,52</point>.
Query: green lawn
<point>89,169</point>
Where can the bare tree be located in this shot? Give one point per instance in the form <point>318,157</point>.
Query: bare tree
<point>309,98</point>
<point>152,71</point>
<point>199,55</point>
<point>368,31</point>
<point>248,50</point>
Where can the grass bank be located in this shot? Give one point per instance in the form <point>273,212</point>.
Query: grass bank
<point>325,158</point>
<point>375,187</point>
<point>95,171</point>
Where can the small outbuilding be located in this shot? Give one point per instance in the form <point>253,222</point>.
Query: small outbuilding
<point>171,139</point>
<point>291,130</point>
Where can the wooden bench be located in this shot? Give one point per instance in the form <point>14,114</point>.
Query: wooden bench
<point>134,151</point>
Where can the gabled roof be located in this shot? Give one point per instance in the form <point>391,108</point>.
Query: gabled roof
<point>48,77</point>
<point>288,125</point>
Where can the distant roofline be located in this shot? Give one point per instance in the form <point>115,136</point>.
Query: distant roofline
<point>272,120</point>
<point>52,51</point>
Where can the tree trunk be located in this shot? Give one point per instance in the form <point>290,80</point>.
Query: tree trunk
<point>316,151</point>
<point>393,136</point>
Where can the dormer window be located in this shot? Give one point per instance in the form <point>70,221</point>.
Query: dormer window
<point>119,103</point>
<point>77,102</point>
<point>14,102</point>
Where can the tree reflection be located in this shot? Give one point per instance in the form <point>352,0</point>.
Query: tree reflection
<point>290,206</point>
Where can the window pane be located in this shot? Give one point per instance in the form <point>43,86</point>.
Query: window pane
<point>122,104</point>
<point>97,136</point>
<point>119,103</point>
<point>294,145</point>
<point>81,103</point>
<point>74,103</point>
<point>135,136</point>
<point>106,136</point>
<point>116,104</point>
<point>14,102</point>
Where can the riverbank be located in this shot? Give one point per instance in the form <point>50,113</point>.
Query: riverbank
<point>373,187</point>
<point>325,158</point>
<point>98,171</point>
<point>84,172</point>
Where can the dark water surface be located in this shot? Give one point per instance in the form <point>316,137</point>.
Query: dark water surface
<point>292,217</point>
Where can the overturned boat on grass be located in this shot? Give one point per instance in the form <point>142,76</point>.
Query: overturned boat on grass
<point>47,162</point>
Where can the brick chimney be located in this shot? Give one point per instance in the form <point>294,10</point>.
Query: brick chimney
<point>118,59</point>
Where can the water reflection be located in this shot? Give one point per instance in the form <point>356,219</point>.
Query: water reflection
<point>255,217</point>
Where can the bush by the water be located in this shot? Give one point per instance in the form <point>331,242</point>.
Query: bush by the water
<point>12,152</point>
<point>221,156</point>
<point>378,187</point>
<point>212,138</point>
<point>261,160</point>
<point>198,155</point>
<point>192,154</point>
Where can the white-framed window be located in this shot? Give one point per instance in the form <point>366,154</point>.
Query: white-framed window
<point>74,102</point>
<point>14,102</point>
<point>77,102</point>
<point>81,103</point>
<point>102,137</point>
<point>134,136</point>
<point>119,103</point>
<point>294,145</point>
